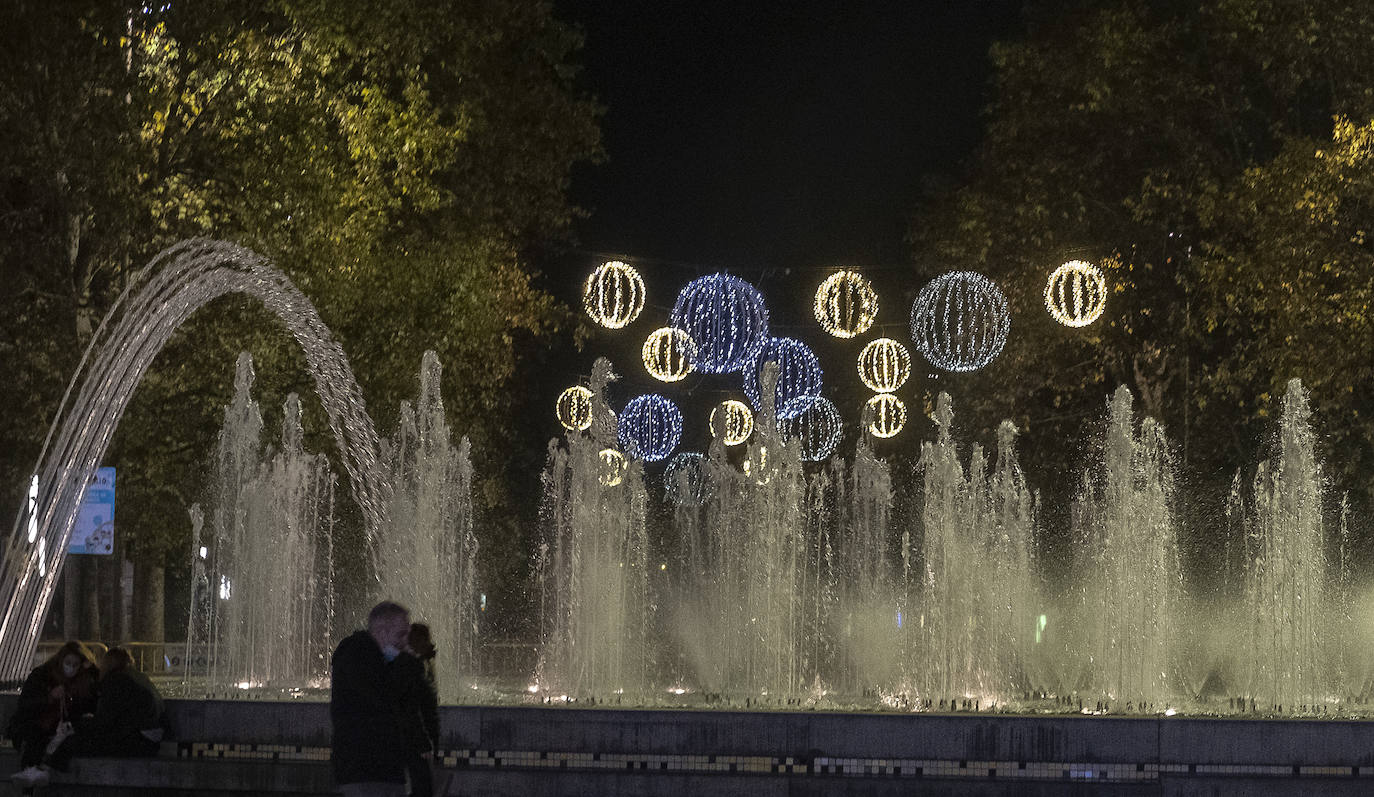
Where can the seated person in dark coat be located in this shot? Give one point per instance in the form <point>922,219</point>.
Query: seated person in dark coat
<point>58,690</point>
<point>128,720</point>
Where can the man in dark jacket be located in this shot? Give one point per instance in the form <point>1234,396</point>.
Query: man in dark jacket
<point>371,744</point>
<point>128,718</point>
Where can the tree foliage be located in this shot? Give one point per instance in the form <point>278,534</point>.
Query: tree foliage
<point>394,159</point>
<point>1213,157</point>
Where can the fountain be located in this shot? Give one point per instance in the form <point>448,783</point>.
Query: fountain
<point>264,606</point>
<point>772,581</point>
<point>427,549</point>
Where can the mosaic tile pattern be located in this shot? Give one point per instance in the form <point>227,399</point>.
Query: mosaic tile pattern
<point>768,765</point>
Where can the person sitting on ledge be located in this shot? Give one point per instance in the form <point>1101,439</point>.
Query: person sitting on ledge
<point>56,692</point>
<point>128,720</point>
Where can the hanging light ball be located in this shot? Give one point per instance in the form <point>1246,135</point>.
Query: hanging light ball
<point>726,318</point>
<point>815,425</point>
<point>650,427</point>
<point>574,409</point>
<point>668,354</point>
<point>799,374</point>
<point>887,415</point>
<point>684,480</point>
<point>960,321</point>
<point>846,304</point>
<point>612,467</point>
<point>613,294</point>
<point>884,365</point>
<point>1076,294</point>
<point>734,420</point>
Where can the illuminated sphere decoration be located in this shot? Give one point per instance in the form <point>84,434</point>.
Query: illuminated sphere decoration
<point>888,415</point>
<point>650,427</point>
<point>1076,294</point>
<point>613,294</point>
<point>960,321</point>
<point>736,420</point>
<point>575,409</point>
<point>612,467</point>
<point>726,318</point>
<point>668,354</point>
<point>815,425</point>
<point>884,365</point>
<point>846,304</point>
<point>799,374</point>
<point>684,480</point>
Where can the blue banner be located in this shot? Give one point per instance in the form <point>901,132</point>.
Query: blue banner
<point>94,530</point>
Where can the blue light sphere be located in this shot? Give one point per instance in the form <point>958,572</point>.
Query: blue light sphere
<point>815,425</point>
<point>799,374</point>
<point>726,318</point>
<point>684,480</point>
<point>649,427</point>
<point>960,321</point>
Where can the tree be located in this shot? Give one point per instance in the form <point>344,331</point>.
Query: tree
<point>1190,149</point>
<point>395,162</point>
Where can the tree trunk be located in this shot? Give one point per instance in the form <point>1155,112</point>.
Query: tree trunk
<point>149,600</point>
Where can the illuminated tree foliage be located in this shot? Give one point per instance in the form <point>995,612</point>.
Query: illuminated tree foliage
<point>1213,157</point>
<point>394,159</point>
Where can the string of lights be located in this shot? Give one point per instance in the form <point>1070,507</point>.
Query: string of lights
<point>884,365</point>
<point>733,419</point>
<point>815,425</point>
<point>799,374</point>
<point>887,413</point>
<point>574,409</point>
<point>960,321</point>
<point>668,353</point>
<point>1076,293</point>
<point>846,304</point>
<point>613,294</point>
<point>649,427</point>
<point>726,319</point>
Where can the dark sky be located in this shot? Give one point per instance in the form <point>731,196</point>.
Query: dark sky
<point>760,134</point>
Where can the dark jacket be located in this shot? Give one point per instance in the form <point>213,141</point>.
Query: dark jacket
<point>128,704</point>
<point>369,744</point>
<point>418,700</point>
<point>37,712</point>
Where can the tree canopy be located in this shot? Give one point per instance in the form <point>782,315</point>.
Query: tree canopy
<point>396,160</point>
<point>1213,157</point>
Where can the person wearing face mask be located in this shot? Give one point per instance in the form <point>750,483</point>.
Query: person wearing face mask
<point>58,691</point>
<point>370,745</point>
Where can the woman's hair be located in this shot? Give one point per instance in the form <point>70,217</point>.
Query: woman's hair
<point>420,643</point>
<point>74,648</point>
<point>116,659</point>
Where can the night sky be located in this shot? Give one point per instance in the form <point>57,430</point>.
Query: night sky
<point>752,135</point>
<point>775,141</point>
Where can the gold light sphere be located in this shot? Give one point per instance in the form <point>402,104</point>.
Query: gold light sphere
<point>846,304</point>
<point>612,467</point>
<point>668,354</point>
<point>734,420</point>
<point>574,409</point>
<point>884,365</point>
<point>613,294</point>
<point>1076,294</point>
<point>888,415</point>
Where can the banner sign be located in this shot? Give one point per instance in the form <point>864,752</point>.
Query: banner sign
<point>94,530</point>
